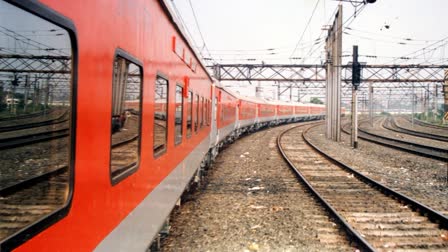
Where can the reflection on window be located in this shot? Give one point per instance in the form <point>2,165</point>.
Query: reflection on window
<point>160,115</point>
<point>126,104</point>
<point>202,112</point>
<point>189,113</point>
<point>179,114</point>
<point>209,108</point>
<point>196,121</point>
<point>35,118</point>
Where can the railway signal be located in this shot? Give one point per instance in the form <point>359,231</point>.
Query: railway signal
<point>356,81</point>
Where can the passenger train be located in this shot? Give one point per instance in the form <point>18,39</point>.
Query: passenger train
<point>143,118</point>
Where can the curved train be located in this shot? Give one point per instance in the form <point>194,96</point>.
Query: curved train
<point>144,118</point>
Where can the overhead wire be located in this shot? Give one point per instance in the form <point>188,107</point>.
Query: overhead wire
<point>423,49</point>
<point>199,28</point>
<point>306,27</point>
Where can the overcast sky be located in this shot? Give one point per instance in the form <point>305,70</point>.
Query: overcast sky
<point>268,30</point>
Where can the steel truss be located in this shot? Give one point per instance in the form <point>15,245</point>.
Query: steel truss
<point>317,73</point>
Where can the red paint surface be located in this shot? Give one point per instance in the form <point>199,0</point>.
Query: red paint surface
<point>141,28</point>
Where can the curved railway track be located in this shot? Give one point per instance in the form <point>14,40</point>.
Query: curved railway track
<point>418,149</point>
<point>390,124</point>
<point>373,215</point>
<point>429,125</point>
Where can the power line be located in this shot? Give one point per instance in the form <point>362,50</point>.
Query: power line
<point>424,48</point>
<point>198,27</point>
<point>306,27</point>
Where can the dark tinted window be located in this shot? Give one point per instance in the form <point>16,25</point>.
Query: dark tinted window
<point>160,115</point>
<point>179,115</point>
<point>202,111</point>
<point>35,119</point>
<point>196,121</point>
<point>126,119</point>
<point>189,113</point>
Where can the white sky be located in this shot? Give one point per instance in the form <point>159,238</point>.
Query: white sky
<point>237,30</point>
<point>262,24</point>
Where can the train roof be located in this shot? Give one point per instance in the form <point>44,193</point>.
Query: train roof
<point>179,27</point>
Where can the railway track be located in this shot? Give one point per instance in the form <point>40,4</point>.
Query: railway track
<point>19,141</point>
<point>429,125</point>
<point>48,122</point>
<point>26,116</point>
<point>373,215</point>
<point>27,201</point>
<point>390,124</point>
<point>418,149</point>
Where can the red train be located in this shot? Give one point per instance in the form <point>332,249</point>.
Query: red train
<point>145,116</point>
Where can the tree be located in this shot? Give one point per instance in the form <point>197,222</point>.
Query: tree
<point>316,100</point>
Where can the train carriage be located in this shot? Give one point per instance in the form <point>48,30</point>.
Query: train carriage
<point>141,117</point>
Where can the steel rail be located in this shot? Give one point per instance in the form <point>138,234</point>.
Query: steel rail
<point>13,142</point>
<point>26,116</point>
<point>126,141</point>
<point>414,148</point>
<point>355,235</point>
<point>9,189</point>
<point>53,121</point>
<point>396,128</point>
<point>429,125</point>
<point>432,214</point>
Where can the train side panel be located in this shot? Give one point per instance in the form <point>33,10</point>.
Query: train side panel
<point>125,216</point>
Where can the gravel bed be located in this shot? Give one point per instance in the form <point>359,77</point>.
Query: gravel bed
<point>423,179</point>
<point>251,201</point>
<point>21,163</point>
<point>379,130</point>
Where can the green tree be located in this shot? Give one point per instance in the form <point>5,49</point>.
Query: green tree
<point>316,100</point>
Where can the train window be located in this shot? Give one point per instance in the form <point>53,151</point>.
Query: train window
<point>126,118</point>
<point>209,113</point>
<point>179,114</point>
<point>205,112</point>
<point>189,113</point>
<point>160,115</point>
<point>202,112</point>
<point>196,121</point>
<point>36,120</point>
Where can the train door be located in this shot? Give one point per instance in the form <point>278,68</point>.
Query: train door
<point>214,126</point>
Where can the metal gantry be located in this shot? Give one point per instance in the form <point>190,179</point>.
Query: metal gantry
<point>300,73</point>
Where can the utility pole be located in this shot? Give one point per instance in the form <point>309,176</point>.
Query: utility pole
<point>333,51</point>
<point>413,105</point>
<point>290,93</point>
<point>371,104</point>
<point>27,85</point>
<point>434,111</point>
<point>278,91</point>
<point>445,97</point>
<point>356,81</point>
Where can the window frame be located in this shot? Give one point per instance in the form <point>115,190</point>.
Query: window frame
<point>201,111</point>
<point>182,114</point>
<point>46,13</point>
<point>132,169</point>
<point>165,150</point>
